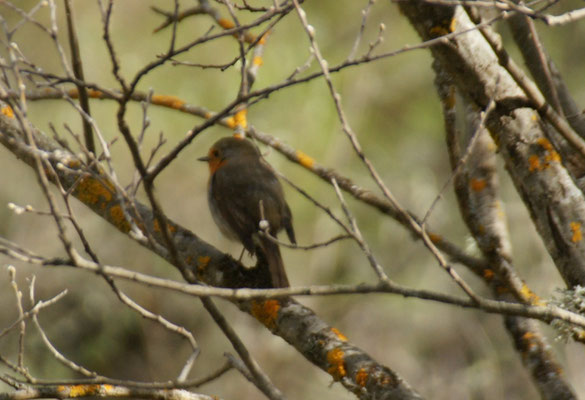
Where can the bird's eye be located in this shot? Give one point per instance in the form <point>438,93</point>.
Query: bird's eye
<point>215,153</point>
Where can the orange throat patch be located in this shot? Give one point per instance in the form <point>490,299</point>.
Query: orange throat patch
<point>215,163</point>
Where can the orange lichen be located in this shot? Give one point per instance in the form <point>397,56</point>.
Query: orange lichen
<point>438,31</point>
<point>225,23</point>
<point>550,156</point>
<point>240,118</point>
<point>385,380</point>
<point>434,237</point>
<point>534,163</point>
<point>168,101</point>
<point>118,218</point>
<point>305,160</point>
<point>530,296</point>
<point>7,111</point>
<point>156,226</point>
<point>545,143</point>
<point>337,363</point>
<point>257,61</point>
<point>339,335</point>
<point>453,25</point>
<point>528,336</point>
<point>262,40</point>
<point>230,122</point>
<point>266,311</point>
<point>74,164</point>
<point>477,184</point>
<point>82,390</point>
<point>445,28</point>
<point>361,378</point>
<point>488,274</point>
<point>92,93</point>
<point>202,262</point>
<point>91,191</point>
<point>95,94</point>
<point>577,233</point>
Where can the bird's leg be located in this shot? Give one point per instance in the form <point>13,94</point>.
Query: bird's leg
<point>263,223</point>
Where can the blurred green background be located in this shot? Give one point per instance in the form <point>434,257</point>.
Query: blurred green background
<point>442,351</point>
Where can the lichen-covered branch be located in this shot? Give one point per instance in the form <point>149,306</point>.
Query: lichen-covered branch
<point>554,201</point>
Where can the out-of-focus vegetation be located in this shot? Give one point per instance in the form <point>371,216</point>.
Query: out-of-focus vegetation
<point>391,105</point>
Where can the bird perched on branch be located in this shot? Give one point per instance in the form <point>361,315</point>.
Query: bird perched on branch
<point>245,197</point>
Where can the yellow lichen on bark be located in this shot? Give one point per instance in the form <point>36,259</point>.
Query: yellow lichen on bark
<point>305,160</point>
<point>477,184</point>
<point>168,101</point>
<point>202,262</point>
<point>157,227</point>
<point>488,274</point>
<point>73,391</point>
<point>240,118</point>
<point>118,218</point>
<point>434,237</point>
<point>91,191</point>
<point>225,23</point>
<point>335,358</point>
<point>339,335</point>
<point>577,232</point>
<point>7,111</point>
<point>536,163</point>
<point>258,61</point>
<point>361,378</point>
<point>530,296</point>
<point>266,311</point>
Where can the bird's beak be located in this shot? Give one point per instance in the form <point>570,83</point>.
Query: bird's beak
<point>205,158</point>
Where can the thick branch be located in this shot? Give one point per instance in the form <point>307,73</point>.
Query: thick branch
<point>555,203</point>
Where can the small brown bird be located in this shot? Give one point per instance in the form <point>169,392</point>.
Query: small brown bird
<point>242,188</point>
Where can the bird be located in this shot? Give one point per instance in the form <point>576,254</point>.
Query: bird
<point>244,194</point>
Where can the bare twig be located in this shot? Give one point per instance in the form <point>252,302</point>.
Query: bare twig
<point>78,72</point>
<point>358,39</point>
<point>544,313</point>
<point>60,357</point>
<point>259,377</point>
<point>22,331</point>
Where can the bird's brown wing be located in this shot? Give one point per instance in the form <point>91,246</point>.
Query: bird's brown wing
<point>227,191</point>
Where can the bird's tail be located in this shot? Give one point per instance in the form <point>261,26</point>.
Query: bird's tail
<point>270,252</point>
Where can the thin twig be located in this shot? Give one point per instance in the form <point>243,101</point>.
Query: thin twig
<point>356,43</point>
<point>259,378</point>
<point>22,330</point>
<point>78,72</point>
<point>544,313</point>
